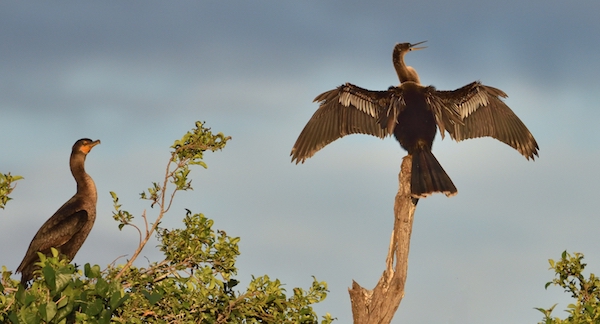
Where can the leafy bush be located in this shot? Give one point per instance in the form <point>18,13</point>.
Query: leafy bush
<point>193,284</point>
<point>586,292</point>
<point>7,185</point>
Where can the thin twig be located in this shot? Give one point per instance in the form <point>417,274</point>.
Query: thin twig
<point>115,261</point>
<point>138,229</point>
<point>155,225</point>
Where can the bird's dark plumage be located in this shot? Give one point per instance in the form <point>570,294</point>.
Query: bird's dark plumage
<point>413,113</point>
<point>70,225</point>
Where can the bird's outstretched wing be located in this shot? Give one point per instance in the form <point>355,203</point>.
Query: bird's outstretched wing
<point>348,109</point>
<point>485,114</point>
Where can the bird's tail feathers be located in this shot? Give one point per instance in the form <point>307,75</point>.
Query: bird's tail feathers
<point>428,176</point>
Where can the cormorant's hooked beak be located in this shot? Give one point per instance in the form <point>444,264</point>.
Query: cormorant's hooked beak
<point>413,48</point>
<point>86,148</point>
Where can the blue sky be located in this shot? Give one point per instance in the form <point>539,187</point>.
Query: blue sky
<point>138,75</point>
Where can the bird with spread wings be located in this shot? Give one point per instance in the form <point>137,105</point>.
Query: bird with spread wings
<point>413,113</point>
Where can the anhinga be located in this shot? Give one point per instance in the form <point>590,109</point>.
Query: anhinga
<point>412,113</point>
<point>70,225</point>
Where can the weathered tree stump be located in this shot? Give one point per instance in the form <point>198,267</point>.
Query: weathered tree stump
<point>379,305</point>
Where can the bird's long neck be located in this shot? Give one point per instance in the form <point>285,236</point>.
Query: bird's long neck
<point>85,184</point>
<point>405,73</point>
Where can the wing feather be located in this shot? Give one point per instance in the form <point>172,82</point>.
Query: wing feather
<point>55,232</point>
<point>484,113</point>
<point>345,110</point>
<point>62,231</point>
<point>446,114</point>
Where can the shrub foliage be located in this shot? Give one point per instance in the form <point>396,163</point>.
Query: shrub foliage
<point>195,283</point>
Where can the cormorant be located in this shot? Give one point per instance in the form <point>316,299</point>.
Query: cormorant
<point>412,113</point>
<point>70,225</point>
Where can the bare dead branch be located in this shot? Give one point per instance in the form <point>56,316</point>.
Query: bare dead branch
<point>379,305</point>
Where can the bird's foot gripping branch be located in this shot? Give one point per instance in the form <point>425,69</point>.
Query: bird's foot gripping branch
<point>194,283</point>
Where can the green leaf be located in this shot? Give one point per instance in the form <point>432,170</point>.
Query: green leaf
<point>20,295</point>
<point>153,298</point>
<point>64,309</point>
<point>13,318</point>
<point>102,287</point>
<point>94,308</point>
<point>50,277</point>
<point>63,278</point>
<point>6,187</point>
<point>29,298</point>
<point>116,300</point>
<point>29,315</point>
<point>92,271</point>
<point>105,317</point>
<point>48,311</point>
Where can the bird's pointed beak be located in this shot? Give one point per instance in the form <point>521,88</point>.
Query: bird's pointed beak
<point>87,148</point>
<point>413,48</point>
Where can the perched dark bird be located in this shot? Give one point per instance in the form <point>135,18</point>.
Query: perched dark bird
<point>412,113</point>
<point>68,228</point>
